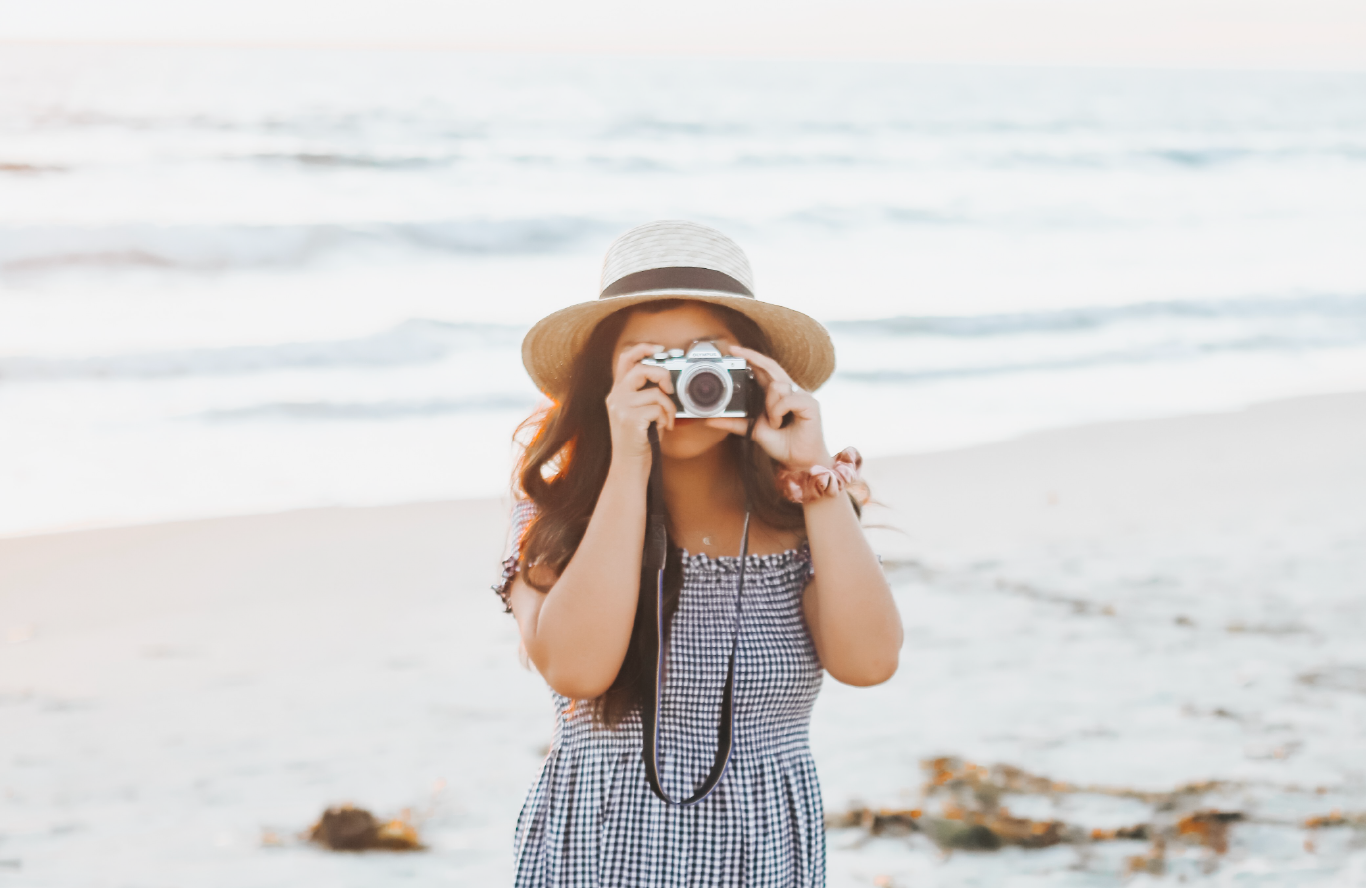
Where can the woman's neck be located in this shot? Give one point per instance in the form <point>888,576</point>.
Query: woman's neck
<point>706,502</point>
<point>701,484</point>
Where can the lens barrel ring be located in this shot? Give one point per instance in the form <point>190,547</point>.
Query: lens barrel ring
<point>689,374</point>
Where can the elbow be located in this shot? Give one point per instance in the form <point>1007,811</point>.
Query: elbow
<point>570,673</point>
<point>575,685</point>
<point>869,671</point>
<point>873,661</point>
<point>867,678</point>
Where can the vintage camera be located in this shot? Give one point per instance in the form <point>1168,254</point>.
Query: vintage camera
<point>706,382</point>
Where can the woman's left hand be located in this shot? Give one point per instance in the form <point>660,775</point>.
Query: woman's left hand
<point>799,445</point>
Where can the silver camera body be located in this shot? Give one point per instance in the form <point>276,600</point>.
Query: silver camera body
<point>706,382</point>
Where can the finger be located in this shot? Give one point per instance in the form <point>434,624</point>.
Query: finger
<point>627,406</point>
<point>800,404</point>
<point>642,416</point>
<point>776,398</point>
<point>640,374</point>
<point>775,371</point>
<point>653,397</point>
<point>770,440</point>
<point>772,395</point>
<point>656,414</point>
<point>764,435</point>
<point>632,356</point>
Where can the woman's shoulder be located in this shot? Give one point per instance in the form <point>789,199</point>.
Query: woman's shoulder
<point>523,511</point>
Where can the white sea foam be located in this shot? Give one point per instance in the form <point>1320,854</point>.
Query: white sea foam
<point>32,250</point>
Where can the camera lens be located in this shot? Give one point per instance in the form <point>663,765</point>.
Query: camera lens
<point>705,390</point>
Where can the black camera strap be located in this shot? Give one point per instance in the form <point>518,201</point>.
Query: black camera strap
<point>656,554</point>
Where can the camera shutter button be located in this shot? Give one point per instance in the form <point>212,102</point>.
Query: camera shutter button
<point>660,356</point>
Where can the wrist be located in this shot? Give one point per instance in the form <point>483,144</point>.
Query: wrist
<point>630,468</point>
<point>804,463</point>
<point>828,502</point>
<point>820,480</point>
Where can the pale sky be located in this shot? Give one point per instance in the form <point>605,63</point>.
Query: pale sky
<point>1257,33</point>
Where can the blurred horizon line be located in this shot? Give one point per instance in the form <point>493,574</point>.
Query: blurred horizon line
<point>1320,66</point>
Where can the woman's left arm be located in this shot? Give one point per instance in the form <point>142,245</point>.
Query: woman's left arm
<point>849,608</point>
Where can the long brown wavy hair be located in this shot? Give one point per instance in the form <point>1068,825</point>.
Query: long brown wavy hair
<point>564,467</point>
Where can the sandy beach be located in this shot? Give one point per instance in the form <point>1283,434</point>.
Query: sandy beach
<point>1136,604</point>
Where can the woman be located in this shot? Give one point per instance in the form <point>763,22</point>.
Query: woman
<point>684,673</point>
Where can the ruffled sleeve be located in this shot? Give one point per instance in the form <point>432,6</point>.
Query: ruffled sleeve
<point>804,559</point>
<point>522,513</point>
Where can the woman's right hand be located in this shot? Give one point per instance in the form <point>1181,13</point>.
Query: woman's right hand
<point>578,634</point>
<point>631,407</point>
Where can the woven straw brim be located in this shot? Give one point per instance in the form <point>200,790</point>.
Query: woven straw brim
<point>799,343</point>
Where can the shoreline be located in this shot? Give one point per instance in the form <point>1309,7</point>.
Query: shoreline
<point>876,466</point>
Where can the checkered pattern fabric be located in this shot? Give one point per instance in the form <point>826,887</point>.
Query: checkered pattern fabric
<point>591,819</point>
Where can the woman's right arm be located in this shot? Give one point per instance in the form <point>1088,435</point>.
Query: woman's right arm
<point>578,632</point>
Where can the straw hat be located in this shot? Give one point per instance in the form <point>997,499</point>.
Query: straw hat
<point>676,260</point>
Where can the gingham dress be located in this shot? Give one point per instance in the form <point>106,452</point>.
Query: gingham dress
<point>591,819</point>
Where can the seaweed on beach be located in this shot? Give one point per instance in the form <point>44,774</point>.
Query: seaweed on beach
<point>987,784</point>
<point>1335,819</point>
<point>347,828</point>
<point>1209,828</point>
<point>962,807</point>
<point>886,821</point>
<point>1332,820</point>
<point>971,815</point>
<point>1153,862</point>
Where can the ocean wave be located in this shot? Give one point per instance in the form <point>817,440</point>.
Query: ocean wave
<point>417,341</point>
<point>363,161</point>
<point>32,249</point>
<point>1087,337</point>
<point>367,411</point>
<point>1167,352</point>
<point>1333,308</point>
<point>740,155</point>
<point>1057,340</point>
<point>836,218</point>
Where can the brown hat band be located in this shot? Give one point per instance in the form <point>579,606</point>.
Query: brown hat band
<point>676,278</point>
